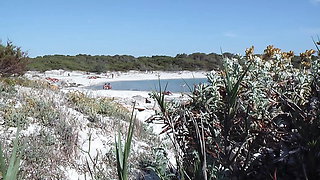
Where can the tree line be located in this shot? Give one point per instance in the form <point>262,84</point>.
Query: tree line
<point>15,61</point>
<point>102,63</point>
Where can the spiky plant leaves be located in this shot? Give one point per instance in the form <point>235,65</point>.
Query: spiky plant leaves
<point>119,156</point>
<point>316,44</point>
<point>232,90</point>
<point>160,98</point>
<point>123,154</point>
<point>3,166</point>
<point>89,168</point>
<point>10,172</point>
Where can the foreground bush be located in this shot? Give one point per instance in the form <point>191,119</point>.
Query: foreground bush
<point>13,61</point>
<point>258,119</point>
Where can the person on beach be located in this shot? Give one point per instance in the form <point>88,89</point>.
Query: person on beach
<point>167,93</point>
<point>107,86</point>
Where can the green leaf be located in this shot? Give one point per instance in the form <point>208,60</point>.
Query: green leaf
<point>123,154</point>
<point>3,166</point>
<point>14,163</point>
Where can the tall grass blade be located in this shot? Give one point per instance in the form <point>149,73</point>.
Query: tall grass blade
<point>160,98</point>
<point>10,172</point>
<point>316,43</point>
<point>3,166</point>
<point>232,90</point>
<point>123,154</point>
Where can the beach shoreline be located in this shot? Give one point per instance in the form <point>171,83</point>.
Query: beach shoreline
<point>68,81</point>
<point>88,78</point>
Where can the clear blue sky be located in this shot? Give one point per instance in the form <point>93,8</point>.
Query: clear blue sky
<point>162,27</point>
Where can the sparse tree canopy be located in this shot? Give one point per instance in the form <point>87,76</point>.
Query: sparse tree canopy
<point>13,61</point>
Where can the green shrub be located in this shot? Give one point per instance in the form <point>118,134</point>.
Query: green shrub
<point>21,81</point>
<point>7,89</point>
<point>158,162</point>
<point>94,106</point>
<point>13,61</point>
<point>83,62</point>
<point>253,120</point>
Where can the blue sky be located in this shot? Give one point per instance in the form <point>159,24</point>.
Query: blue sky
<point>158,27</point>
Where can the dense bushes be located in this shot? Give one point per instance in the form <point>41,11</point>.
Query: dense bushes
<point>12,60</point>
<point>196,61</point>
<point>83,62</point>
<point>256,120</point>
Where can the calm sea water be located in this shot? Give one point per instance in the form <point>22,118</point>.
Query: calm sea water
<point>174,85</point>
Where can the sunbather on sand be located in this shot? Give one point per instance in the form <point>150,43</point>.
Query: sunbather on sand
<point>107,86</point>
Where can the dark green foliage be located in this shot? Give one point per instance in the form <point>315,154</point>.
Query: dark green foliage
<point>82,62</point>
<point>13,61</point>
<point>103,63</point>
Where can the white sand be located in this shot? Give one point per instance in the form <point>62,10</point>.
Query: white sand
<point>83,78</point>
<point>67,78</point>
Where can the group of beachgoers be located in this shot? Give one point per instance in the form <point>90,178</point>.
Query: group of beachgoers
<point>107,86</point>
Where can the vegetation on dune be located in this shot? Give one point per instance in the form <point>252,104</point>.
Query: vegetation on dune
<point>9,171</point>
<point>51,124</point>
<point>13,60</point>
<point>258,119</point>
<point>55,137</point>
<point>97,106</point>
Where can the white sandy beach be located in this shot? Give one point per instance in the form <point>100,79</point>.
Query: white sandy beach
<point>83,77</point>
<point>103,139</point>
<point>80,80</point>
